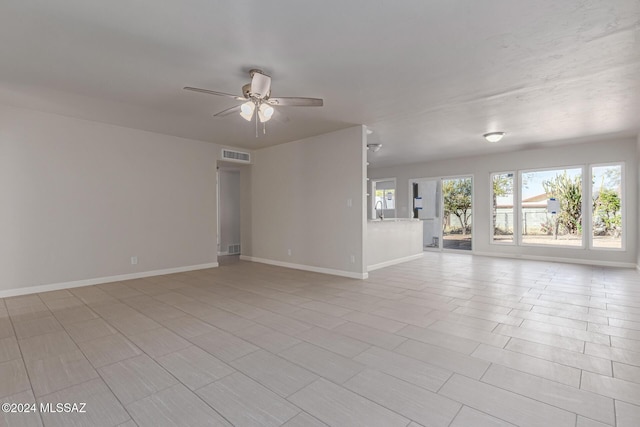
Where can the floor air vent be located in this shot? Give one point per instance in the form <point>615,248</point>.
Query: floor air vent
<point>236,156</point>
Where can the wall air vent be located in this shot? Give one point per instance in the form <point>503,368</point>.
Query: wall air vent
<point>236,156</point>
<point>234,249</point>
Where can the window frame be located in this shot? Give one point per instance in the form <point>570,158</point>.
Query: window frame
<point>516,222</point>
<point>583,245</point>
<point>623,206</point>
<point>374,181</point>
<point>473,203</point>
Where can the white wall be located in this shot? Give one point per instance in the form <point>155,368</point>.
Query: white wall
<point>79,198</point>
<point>229,210</point>
<point>300,193</point>
<point>622,150</point>
<point>638,206</point>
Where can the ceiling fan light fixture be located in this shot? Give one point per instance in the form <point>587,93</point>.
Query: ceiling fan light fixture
<point>374,147</point>
<point>493,136</point>
<point>265,112</point>
<point>246,110</point>
<point>256,95</point>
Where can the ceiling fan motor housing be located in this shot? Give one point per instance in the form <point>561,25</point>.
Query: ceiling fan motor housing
<point>260,85</point>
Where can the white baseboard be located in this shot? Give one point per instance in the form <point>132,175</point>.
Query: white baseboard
<point>556,259</point>
<point>304,267</point>
<point>394,261</point>
<point>98,280</point>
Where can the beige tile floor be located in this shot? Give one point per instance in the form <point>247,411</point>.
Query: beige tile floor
<point>448,340</point>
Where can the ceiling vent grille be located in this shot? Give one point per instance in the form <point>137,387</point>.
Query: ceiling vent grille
<point>236,156</point>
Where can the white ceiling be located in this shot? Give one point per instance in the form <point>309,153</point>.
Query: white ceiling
<point>429,77</point>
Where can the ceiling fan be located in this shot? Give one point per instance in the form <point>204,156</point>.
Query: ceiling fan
<point>257,97</point>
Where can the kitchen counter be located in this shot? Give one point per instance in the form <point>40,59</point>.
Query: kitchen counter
<point>392,241</point>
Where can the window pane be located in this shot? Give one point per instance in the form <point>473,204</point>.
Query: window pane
<point>384,199</point>
<point>606,198</point>
<point>552,207</point>
<point>503,208</point>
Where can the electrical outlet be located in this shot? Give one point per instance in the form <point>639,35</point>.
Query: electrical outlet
<point>353,259</point>
<point>349,203</point>
<point>289,252</point>
<point>134,260</point>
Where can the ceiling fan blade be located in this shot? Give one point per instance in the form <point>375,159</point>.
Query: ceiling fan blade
<point>296,102</point>
<point>228,111</point>
<point>213,92</point>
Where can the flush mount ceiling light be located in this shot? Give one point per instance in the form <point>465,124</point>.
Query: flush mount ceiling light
<point>374,147</point>
<point>493,136</point>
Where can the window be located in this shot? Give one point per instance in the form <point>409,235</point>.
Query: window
<point>503,207</point>
<point>606,207</point>
<point>551,204</point>
<point>383,202</point>
<point>387,198</point>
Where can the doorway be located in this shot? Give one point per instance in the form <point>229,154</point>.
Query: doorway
<point>229,194</point>
<point>457,197</point>
<point>444,205</point>
<point>426,207</point>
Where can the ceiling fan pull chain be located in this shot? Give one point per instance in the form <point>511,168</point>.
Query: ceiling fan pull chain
<point>256,115</point>
<point>264,128</point>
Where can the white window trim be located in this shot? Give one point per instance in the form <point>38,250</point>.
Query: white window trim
<point>440,247</point>
<point>623,206</point>
<point>583,245</point>
<point>373,196</point>
<point>473,204</point>
<point>516,222</point>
